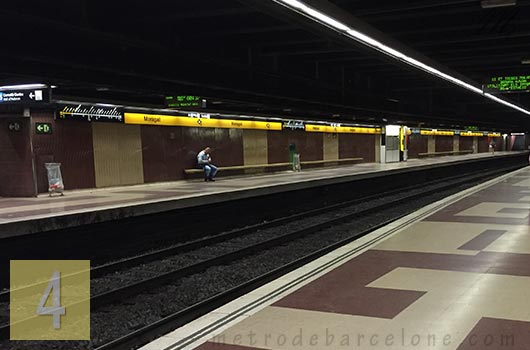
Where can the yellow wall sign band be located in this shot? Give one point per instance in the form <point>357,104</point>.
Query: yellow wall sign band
<point>341,129</point>
<point>169,120</point>
<point>437,132</point>
<point>470,133</point>
<point>494,134</point>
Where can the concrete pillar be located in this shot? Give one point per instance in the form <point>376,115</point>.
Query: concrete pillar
<point>431,144</point>
<point>475,144</point>
<point>331,146</point>
<point>378,148</point>
<point>456,143</point>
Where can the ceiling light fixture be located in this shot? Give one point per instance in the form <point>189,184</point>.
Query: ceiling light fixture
<point>23,86</point>
<point>334,24</point>
<point>488,4</point>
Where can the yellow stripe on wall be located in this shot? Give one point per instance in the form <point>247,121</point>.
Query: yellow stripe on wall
<point>341,129</point>
<point>168,120</point>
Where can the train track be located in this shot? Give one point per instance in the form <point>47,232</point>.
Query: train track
<point>240,244</point>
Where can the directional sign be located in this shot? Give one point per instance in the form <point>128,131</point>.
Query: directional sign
<point>33,96</point>
<point>43,128</point>
<point>14,126</point>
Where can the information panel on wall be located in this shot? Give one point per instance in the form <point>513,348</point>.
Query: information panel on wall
<point>508,84</point>
<point>169,120</point>
<point>91,113</point>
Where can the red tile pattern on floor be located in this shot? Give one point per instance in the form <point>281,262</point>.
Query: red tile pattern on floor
<point>503,192</point>
<point>343,289</point>
<point>483,240</point>
<point>498,334</point>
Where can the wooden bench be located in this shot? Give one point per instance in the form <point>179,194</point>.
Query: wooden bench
<point>263,168</point>
<point>447,153</point>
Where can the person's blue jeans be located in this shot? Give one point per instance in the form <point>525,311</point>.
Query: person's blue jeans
<point>209,171</point>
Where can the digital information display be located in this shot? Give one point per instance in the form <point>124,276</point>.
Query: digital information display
<point>517,83</point>
<point>184,101</point>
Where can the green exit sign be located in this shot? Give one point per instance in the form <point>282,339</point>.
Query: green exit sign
<point>505,84</point>
<point>43,128</point>
<point>184,101</point>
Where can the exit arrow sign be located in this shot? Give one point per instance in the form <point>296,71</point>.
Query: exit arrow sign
<point>43,128</point>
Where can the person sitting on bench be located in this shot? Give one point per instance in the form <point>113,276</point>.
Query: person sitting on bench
<point>205,162</point>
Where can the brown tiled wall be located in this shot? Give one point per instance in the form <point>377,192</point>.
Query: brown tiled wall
<point>71,145</point>
<point>162,153</point>
<point>466,143</point>
<point>309,145</point>
<point>444,143</point>
<point>226,144</point>
<point>483,144</point>
<point>16,172</point>
<point>417,144</point>
<point>357,146</point>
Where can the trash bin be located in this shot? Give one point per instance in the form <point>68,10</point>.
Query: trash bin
<point>292,150</point>
<point>55,180</point>
<point>297,166</point>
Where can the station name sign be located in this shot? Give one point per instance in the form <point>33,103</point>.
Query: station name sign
<point>294,125</point>
<point>25,96</point>
<point>508,84</point>
<point>91,113</point>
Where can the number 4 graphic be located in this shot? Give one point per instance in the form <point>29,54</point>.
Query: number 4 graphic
<point>56,309</point>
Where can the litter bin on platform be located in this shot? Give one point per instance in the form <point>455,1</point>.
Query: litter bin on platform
<point>55,180</point>
<point>297,166</point>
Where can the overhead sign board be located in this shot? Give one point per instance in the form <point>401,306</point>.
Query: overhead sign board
<point>91,113</point>
<point>508,84</point>
<point>25,96</point>
<point>43,128</point>
<point>184,101</point>
<point>169,120</point>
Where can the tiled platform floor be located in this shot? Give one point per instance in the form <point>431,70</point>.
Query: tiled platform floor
<point>22,209</point>
<point>456,279</point>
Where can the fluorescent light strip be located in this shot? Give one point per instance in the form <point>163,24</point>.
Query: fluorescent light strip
<point>506,103</point>
<point>23,86</point>
<point>317,16</point>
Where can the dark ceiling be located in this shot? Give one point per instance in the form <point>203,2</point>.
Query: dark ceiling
<point>255,56</point>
